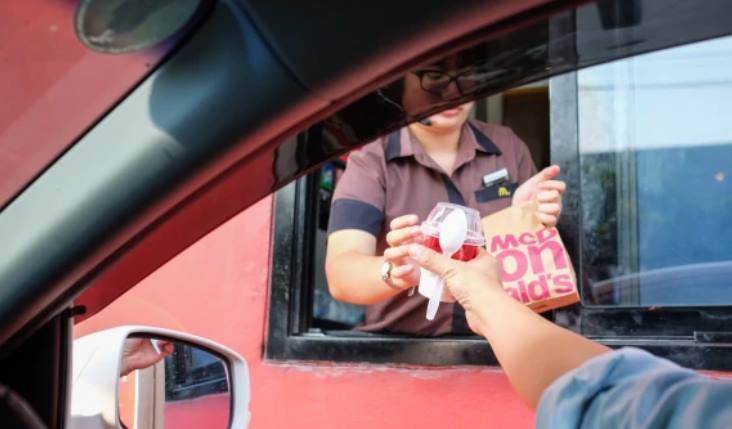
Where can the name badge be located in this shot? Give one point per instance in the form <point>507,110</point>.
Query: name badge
<point>498,176</point>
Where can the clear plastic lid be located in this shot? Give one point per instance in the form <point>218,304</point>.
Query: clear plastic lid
<point>431,225</point>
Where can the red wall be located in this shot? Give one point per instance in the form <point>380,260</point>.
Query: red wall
<point>217,289</point>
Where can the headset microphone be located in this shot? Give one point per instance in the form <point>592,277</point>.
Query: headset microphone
<point>426,121</point>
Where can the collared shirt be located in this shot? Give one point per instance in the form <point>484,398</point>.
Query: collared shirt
<point>393,176</point>
<point>630,388</point>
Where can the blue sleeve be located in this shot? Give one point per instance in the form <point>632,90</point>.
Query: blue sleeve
<point>631,388</point>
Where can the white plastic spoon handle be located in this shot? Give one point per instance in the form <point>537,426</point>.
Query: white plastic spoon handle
<point>434,303</point>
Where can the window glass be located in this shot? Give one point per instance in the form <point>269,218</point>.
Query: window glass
<point>192,372</point>
<point>655,144</point>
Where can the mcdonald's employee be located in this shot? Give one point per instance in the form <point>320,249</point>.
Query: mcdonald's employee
<point>391,185</point>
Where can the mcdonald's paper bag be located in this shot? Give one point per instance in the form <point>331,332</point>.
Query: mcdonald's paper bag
<point>535,267</point>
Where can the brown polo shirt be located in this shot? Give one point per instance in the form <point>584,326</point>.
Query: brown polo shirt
<point>393,176</point>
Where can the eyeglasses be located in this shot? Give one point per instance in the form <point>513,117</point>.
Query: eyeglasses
<point>437,81</point>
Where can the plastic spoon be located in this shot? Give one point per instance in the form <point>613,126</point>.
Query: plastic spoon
<point>453,231</point>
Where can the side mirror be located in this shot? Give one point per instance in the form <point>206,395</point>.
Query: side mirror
<point>140,377</point>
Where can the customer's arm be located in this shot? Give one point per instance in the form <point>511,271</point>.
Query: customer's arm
<point>633,389</point>
<point>575,382</point>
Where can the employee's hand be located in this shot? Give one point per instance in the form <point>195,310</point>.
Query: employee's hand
<point>138,353</point>
<point>546,191</point>
<point>403,230</point>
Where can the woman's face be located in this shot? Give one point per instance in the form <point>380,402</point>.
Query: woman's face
<point>451,119</point>
<point>416,100</point>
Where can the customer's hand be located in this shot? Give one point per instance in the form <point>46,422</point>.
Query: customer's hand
<point>471,283</point>
<point>546,191</point>
<point>404,230</point>
<point>533,351</point>
<point>139,353</point>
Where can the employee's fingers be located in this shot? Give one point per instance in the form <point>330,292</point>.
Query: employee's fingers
<point>556,185</point>
<point>401,236</point>
<point>396,254</point>
<point>550,172</point>
<point>404,221</point>
<point>402,271</point>
<point>547,220</point>
<point>552,196</point>
<point>550,208</point>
